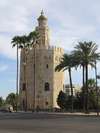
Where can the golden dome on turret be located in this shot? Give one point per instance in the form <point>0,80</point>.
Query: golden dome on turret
<point>42,17</point>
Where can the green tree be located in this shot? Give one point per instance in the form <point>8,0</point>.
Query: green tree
<point>86,54</point>
<point>33,38</point>
<point>92,100</point>
<point>67,63</point>
<point>61,100</point>
<point>12,100</point>
<point>91,96</point>
<point>22,42</point>
<point>17,41</point>
<point>91,84</point>
<point>1,101</point>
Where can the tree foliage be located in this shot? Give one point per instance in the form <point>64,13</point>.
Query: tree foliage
<point>61,100</point>
<point>1,102</point>
<point>12,100</point>
<point>67,63</point>
<point>64,101</point>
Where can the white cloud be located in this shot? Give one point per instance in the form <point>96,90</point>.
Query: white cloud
<point>6,47</point>
<point>69,21</point>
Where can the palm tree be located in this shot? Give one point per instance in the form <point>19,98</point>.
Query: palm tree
<point>22,43</point>
<point>33,38</point>
<point>16,41</point>
<point>97,93</point>
<point>24,48</point>
<point>79,62</point>
<point>86,54</point>
<point>66,64</point>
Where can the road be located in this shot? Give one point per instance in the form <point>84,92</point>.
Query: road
<point>48,123</point>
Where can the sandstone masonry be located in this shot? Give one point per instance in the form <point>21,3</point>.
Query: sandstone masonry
<point>39,83</point>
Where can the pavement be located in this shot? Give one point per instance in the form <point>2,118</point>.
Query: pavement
<point>44,122</point>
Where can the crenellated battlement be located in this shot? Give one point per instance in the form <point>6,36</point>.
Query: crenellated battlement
<point>58,49</point>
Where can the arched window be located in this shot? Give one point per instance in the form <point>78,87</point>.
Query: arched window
<point>47,65</point>
<point>47,86</point>
<point>23,86</point>
<point>46,103</point>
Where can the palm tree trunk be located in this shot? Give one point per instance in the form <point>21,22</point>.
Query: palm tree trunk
<point>34,77</point>
<point>83,88</point>
<point>17,79</point>
<point>87,98</point>
<point>96,89</point>
<point>71,86</point>
<point>83,76</point>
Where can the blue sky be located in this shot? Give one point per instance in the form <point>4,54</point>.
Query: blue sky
<point>69,21</point>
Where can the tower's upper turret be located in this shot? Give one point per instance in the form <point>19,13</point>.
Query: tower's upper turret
<point>42,20</point>
<point>43,30</point>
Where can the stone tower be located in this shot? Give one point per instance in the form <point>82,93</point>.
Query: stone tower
<point>39,83</point>
<point>43,30</point>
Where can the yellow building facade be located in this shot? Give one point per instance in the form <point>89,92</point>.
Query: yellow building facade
<point>39,83</point>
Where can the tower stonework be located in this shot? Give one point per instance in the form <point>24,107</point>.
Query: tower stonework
<point>39,83</point>
<point>43,30</point>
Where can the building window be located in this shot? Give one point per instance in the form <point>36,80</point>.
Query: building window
<point>46,103</point>
<point>47,86</point>
<point>24,86</point>
<point>47,66</point>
